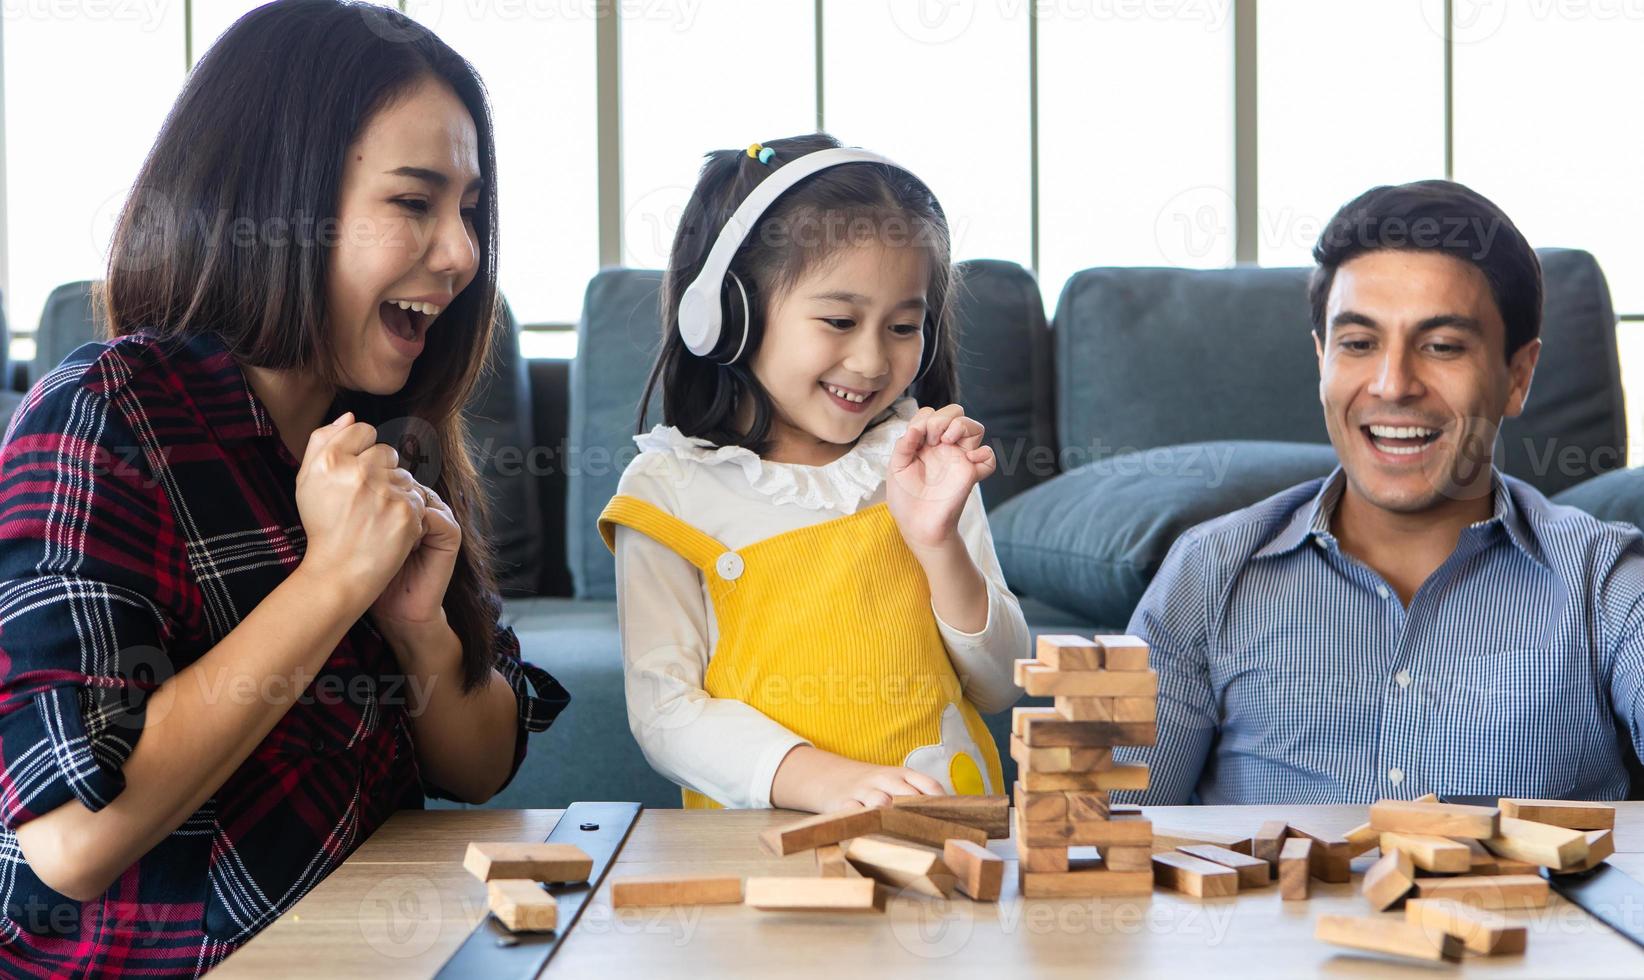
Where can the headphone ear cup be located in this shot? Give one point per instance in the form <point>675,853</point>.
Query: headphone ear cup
<point>736,318</point>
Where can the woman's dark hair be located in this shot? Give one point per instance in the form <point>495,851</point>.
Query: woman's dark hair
<point>257,140</point>
<point>840,207</point>
<point>1441,216</point>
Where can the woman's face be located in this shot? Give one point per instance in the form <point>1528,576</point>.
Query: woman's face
<point>406,244</point>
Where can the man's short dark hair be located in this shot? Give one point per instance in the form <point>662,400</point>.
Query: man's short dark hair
<point>1439,216</point>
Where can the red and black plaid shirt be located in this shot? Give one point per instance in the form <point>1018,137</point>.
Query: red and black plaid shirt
<point>146,506</point>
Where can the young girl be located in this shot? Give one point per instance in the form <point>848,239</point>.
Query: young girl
<point>811,610</point>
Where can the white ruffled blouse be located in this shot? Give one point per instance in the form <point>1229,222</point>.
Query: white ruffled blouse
<point>724,748</point>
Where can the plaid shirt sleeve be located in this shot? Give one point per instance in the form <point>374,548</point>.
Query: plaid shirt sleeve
<point>87,550</point>
<point>1173,618</point>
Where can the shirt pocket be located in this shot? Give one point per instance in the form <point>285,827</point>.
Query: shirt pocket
<point>1513,722</point>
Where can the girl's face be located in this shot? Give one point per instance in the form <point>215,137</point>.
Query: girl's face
<point>840,347</point>
<point>406,241</point>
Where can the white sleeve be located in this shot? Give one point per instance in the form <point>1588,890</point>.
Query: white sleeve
<point>721,747</point>
<point>985,660</point>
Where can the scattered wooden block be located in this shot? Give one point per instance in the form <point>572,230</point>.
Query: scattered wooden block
<point>990,814</point>
<point>1332,857</point>
<point>1039,728</point>
<point>1362,839</point>
<point>522,905</point>
<point>979,871</point>
<point>831,863</point>
<point>915,826</point>
<point>1123,652</point>
<point>1043,682</point>
<point>1060,652</point>
<point>1428,852</point>
<point>1058,758</point>
<point>814,895</point>
<point>1295,863</point>
<point>1127,858</point>
<point>1600,845</point>
<point>1389,879</point>
<point>1441,819</point>
<point>901,865</point>
<point>1539,843</point>
<point>1573,814</point>
<point>1488,891</point>
<point>1253,872</point>
<point>1194,876</point>
<point>1480,932</point>
<point>1269,840</point>
<point>1389,936</point>
<point>1485,863</point>
<point>648,890</point>
<point>1088,883</point>
<point>489,861</point>
<point>1120,776</point>
<point>824,828</point>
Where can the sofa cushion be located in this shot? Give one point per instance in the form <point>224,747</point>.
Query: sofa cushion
<point>1159,357</point>
<point>1617,496</point>
<point>501,432</point>
<point>1090,540</point>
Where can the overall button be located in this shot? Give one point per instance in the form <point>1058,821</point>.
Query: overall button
<point>729,565</point>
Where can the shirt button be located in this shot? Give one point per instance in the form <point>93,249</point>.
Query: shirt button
<point>729,565</point>
<point>1403,677</point>
<point>1381,590</point>
<point>1395,775</point>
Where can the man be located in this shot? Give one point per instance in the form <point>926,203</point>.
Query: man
<point>1416,622</point>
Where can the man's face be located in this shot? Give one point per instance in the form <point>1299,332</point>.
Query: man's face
<point>1414,378</point>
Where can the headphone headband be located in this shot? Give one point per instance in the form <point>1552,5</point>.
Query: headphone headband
<point>701,312</point>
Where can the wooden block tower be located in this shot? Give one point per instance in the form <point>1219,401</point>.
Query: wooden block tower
<point>1105,696</point>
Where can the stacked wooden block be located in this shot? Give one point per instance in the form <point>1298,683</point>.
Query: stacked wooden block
<point>1105,696</point>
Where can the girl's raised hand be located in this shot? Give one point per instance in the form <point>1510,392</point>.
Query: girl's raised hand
<point>932,470</point>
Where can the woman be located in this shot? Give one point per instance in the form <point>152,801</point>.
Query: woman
<point>235,635</point>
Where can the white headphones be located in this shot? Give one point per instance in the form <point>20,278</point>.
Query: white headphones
<point>702,305</point>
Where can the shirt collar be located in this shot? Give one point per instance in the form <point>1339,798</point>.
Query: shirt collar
<point>1312,521</point>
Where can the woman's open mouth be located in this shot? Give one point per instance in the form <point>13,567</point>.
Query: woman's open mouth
<point>407,322</point>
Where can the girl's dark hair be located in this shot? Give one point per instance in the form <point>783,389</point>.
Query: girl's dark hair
<point>840,207</point>
<point>257,141</point>
<point>1440,216</point>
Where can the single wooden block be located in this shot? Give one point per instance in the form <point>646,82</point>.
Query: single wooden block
<point>1052,859</point>
<point>1123,652</point>
<point>490,860</point>
<point>1600,845</point>
<point>1429,853</point>
<point>1089,883</point>
<point>980,872</point>
<point>1539,843</point>
<point>1135,709</point>
<point>1269,840</point>
<point>1480,932</point>
<point>1120,776</point>
<point>1389,936</point>
<point>1085,709</point>
<point>1127,858</point>
<point>522,905</point>
<point>1061,652</point>
<point>814,895</point>
<point>824,828</point>
<point>1389,879</point>
<point>1037,728</point>
<point>1088,805</point>
<point>1194,876</point>
<point>1362,839</point>
<point>1119,831</point>
<point>1040,807</point>
<point>1488,891</point>
<point>915,826</point>
<point>831,863</point>
<point>1573,814</point>
<point>1485,863</point>
<point>1295,860</point>
<point>1043,682</point>
<point>990,814</point>
<point>1253,871</point>
<point>901,865</point>
<point>675,890</point>
<point>1058,758</point>
<point>1441,819</point>
<point>1332,857</point>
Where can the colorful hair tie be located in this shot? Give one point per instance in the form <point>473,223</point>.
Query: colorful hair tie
<point>763,154</point>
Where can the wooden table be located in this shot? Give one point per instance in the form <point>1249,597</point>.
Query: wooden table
<point>402,903</point>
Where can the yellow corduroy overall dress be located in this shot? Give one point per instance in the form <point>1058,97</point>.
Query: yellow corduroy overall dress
<point>828,630</point>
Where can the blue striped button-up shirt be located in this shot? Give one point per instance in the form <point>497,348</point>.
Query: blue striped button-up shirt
<point>1290,672</point>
